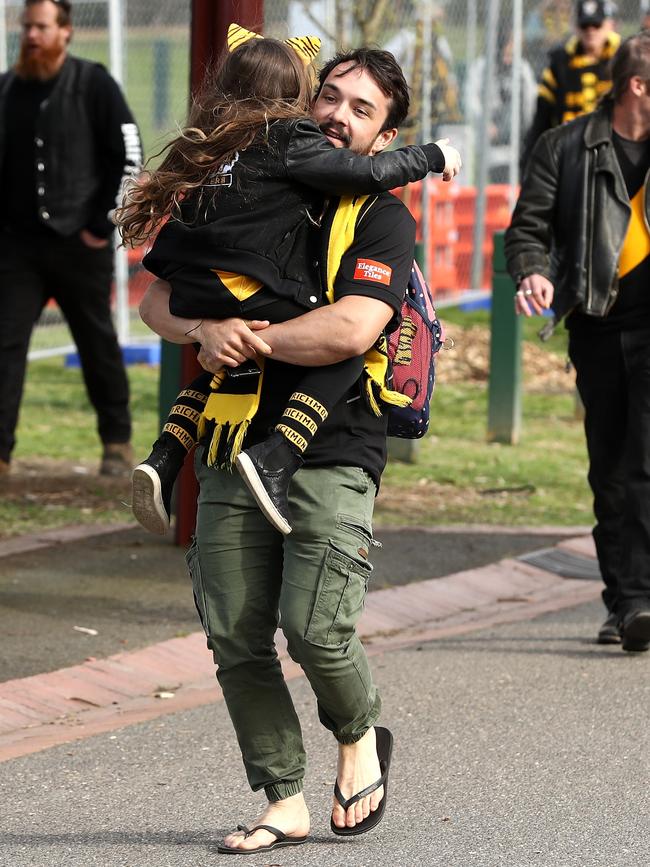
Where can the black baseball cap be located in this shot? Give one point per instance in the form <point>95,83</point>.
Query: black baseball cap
<point>593,12</point>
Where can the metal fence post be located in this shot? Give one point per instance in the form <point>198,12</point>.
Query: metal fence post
<point>515,104</point>
<point>170,376</point>
<point>3,35</point>
<point>117,42</point>
<point>504,391</point>
<point>482,173</point>
<point>161,69</point>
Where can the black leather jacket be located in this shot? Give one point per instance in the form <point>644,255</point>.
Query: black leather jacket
<point>253,217</point>
<point>572,216</point>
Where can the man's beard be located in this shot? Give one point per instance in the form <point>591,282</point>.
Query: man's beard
<point>40,64</point>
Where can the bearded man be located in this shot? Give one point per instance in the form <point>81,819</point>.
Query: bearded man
<point>67,137</point>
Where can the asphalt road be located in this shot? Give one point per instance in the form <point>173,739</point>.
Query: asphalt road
<point>133,590</point>
<point>525,744</point>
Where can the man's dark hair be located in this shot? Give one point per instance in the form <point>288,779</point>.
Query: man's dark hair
<point>632,58</point>
<point>386,72</point>
<point>63,10</point>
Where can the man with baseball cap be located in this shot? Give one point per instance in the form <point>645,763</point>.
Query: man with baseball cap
<point>578,71</point>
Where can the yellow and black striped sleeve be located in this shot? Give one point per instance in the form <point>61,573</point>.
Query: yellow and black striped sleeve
<point>547,87</point>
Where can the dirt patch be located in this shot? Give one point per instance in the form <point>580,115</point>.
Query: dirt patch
<point>56,486</point>
<point>427,497</point>
<point>469,361</point>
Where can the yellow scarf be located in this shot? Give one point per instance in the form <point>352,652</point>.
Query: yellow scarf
<point>228,412</point>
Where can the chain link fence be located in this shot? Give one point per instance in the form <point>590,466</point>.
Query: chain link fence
<point>472,66</point>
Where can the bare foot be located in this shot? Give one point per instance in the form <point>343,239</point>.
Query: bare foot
<point>358,767</point>
<point>289,815</point>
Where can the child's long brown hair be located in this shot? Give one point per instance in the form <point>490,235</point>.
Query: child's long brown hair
<point>259,82</point>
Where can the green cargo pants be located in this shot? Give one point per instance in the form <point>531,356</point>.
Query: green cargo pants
<point>247,578</point>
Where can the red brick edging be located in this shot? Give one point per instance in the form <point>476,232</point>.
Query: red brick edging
<point>102,695</point>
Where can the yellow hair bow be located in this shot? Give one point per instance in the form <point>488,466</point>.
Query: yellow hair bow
<point>306,47</point>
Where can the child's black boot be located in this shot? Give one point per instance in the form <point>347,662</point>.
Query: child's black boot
<point>267,469</point>
<point>153,482</point>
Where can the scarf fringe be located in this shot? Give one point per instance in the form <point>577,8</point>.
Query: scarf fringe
<point>226,443</point>
<point>394,398</point>
<point>377,394</point>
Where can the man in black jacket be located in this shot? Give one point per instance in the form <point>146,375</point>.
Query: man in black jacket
<point>579,242</point>
<point>70,140</point>
<point>578,71</point>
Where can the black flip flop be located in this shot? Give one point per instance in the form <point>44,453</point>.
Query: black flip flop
<point>384,753</point>
<point>282,840</point>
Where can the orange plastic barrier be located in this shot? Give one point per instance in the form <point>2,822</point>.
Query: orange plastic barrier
<point>443,237</point>
<point>452,215</point>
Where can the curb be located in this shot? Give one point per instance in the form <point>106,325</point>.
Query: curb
<point>59,536</point>
<point>97,696</point>
<point>74,532</point>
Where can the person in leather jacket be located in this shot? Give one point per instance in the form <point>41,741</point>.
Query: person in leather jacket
<point>579,242</point>
<point>67,138</point>
<point>578,72</point>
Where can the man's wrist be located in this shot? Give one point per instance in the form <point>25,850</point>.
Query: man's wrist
<point>523,275</point>
<point>195,331</point>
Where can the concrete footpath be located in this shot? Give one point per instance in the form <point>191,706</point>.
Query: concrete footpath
<point>519,741</point>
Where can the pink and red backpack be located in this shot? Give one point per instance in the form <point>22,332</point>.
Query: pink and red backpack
<point>412,349</point>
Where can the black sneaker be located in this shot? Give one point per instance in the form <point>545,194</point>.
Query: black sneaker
<point>610,632</point>
<point>152,485</point>
<point>635,630</point>
<point>267,469</point>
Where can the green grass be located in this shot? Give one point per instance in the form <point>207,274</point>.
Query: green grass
<point>24,517</point>
<point>55,481</point>
<point>459,477</point>
<point>57,421</point>
<point>56,332</point>
<point>530,327</point>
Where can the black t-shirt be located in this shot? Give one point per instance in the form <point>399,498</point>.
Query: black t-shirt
<point>631,310</point>
<point>352,435</point>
